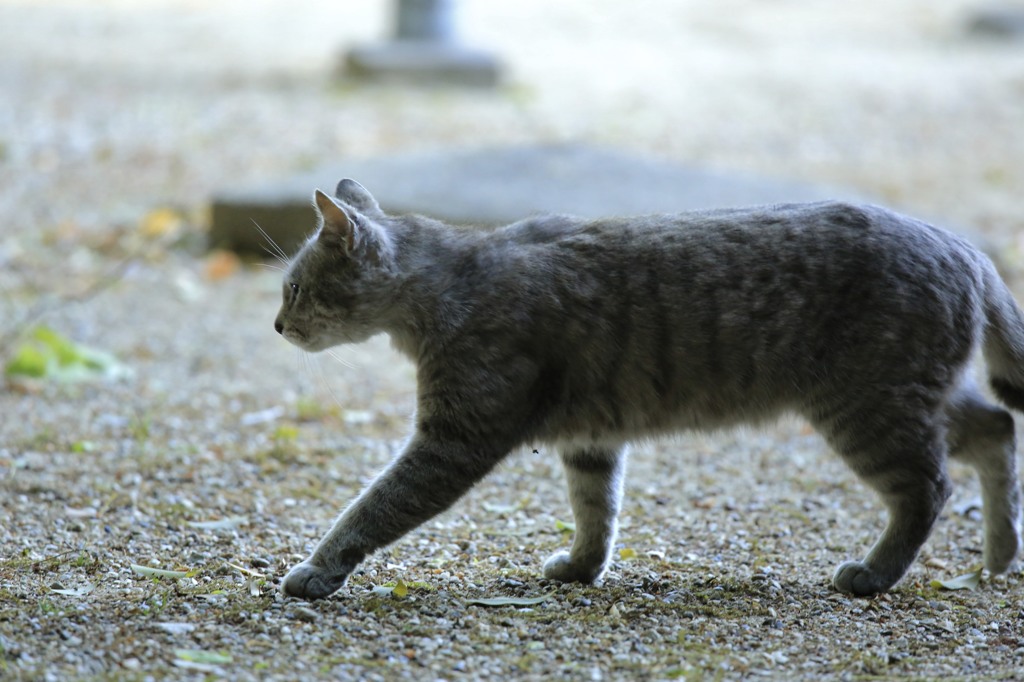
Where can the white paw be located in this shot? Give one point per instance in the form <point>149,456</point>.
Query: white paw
<point>560,567</point>
<point>310,582</point>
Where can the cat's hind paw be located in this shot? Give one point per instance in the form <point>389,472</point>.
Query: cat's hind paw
<point>858,579</point>
<point>1001,550</point>
<point>307,581</point>
<point>560,567</point>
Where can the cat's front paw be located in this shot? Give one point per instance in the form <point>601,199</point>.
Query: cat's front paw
<point>560,567</point>
<point>308,581</point>
<point>858,579</point>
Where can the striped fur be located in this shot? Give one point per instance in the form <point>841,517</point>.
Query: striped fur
<point>590,334</point>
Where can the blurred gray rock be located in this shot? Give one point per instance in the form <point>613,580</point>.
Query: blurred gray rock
<point>1002,21</point>
<point>423,63</point>
<point>424,50</point>
<point>495,187</point>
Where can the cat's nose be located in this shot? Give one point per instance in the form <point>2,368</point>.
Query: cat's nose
<point>278,327</point>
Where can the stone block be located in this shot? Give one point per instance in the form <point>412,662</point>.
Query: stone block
<point>423,63</point>
<point>496,186</point>
<point>1004,21</point>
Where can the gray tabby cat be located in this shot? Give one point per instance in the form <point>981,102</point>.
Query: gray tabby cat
<point>589,334</point>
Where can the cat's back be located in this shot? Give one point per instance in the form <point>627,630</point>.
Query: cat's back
<point>723,244</point>
<point>539,230</point>
<point>801,251</point>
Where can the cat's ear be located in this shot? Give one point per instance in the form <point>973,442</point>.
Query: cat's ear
<point>337,225</point>
<point>356,196</point>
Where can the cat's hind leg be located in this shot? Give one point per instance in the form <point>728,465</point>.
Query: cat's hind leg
<point>595,477</point>
<point>982,435</point>
<point>902,456</point>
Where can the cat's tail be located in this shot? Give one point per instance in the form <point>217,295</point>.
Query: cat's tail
<point>1004,341</point>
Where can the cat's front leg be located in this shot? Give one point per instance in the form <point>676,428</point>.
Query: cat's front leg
<point>595,478</point>
<point>427,478</point>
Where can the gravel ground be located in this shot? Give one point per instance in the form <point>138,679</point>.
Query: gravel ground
<point>222,452</point>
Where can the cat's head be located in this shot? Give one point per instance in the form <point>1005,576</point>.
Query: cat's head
<point>339,288</point>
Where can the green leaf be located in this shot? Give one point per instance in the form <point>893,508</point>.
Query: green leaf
<point>627,553</point>
<point>564,526</point>
<point>399,589</point>
<point>61,348</point>
<point>968,581</point>
<point>286,433</point>
<point>28,361</point>
<point>509,601</point>
<point>48,355</point>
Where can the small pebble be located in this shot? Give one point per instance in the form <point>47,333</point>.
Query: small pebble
<point>305,614</point>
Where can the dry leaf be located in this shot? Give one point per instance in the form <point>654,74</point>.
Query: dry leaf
<point>968,581</point>
<point>76,592</point>
<point>150,572</point>
<point>220,265</point>
<point>160,222</point>
<point>222,524</point>
<point>509,601</point>
<point>245,571</point>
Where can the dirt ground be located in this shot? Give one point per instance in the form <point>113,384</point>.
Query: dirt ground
<point>219,451</point>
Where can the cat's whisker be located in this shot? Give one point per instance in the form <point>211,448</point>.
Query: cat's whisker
<point>303,360</point>
<point>336,356</point>
<point>311,365</point>
<point>271,266</point>
<point>270,246</point>
<point>307,365</point>
<point>280,259</point>
<point>310,361</point>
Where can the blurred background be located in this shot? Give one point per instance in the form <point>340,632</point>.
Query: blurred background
<point>122,120</point>
<point>144,389</point>
<point>109,107</point>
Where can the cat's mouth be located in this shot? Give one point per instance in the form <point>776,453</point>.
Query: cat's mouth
<point>292,335</point>
<point>310,345</point>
